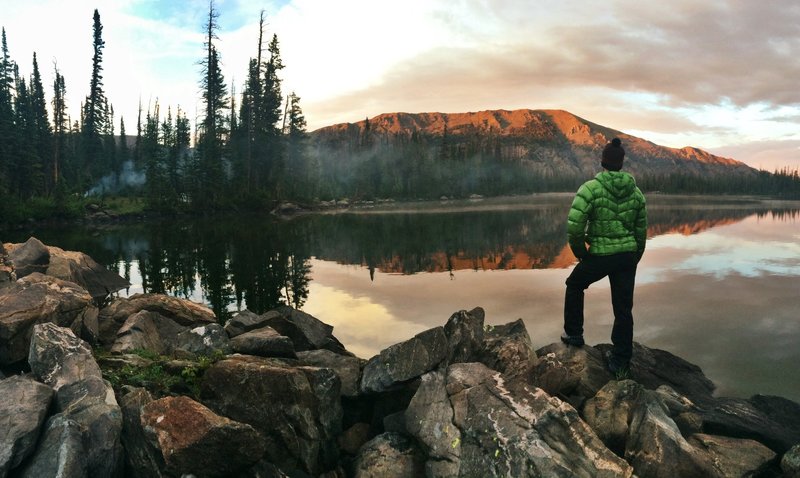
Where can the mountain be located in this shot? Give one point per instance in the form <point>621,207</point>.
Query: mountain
<point>544,142</point>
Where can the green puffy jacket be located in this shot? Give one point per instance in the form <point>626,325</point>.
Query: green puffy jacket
<point>609,214</point>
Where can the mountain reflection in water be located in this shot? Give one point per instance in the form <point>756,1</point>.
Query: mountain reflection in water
<point>717,285</point>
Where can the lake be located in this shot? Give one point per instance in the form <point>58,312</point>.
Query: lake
<point>718,285</point>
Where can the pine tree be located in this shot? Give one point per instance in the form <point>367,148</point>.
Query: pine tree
<point>7,129</point>
<point>301,175</point>
<point>41,130</point>
<point>94,110</point>
<point>60,126</point>
<point>211,174</point>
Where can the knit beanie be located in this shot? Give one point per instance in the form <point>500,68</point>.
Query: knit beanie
<point>613,154</point>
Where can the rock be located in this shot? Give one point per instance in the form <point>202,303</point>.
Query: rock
<point>23,409</point>
<point>508,349</point>
<point>203,340</point>
<point>194,440</point>
<point>347,368</point>
<point>655,447</point>
<point>464,331</point>
<point>653,368</point>
<point>29,257</point>
<point>265,342</point>
<point>305,331</point>
<point>149,331</point>
<point>739,418</point>
<point>471,425</point>
<point>65,362</point>
<point>610,411</point>
<point>405,361</point>
<point>141,458</point>
<point>7,275</point>
<point>733,456</point>
<point>351,440</point>
<point>181,311</point>
<point>297,409</point>
<point>245,321</point>
<point>554,377</point>
<point>389,454</point>
<point>790,463</point>
<point>395,422</point>
<point>779,410</point>
<point>585,363</point>
<point>81,269</point>
<point>61,452</point>
<point>38,299</point>
<point>116,362</point>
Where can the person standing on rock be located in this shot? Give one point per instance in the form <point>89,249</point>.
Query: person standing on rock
<point>609,214</point>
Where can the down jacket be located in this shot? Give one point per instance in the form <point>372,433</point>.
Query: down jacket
<point>609,214</point>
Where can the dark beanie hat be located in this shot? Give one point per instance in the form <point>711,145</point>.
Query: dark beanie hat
<point>613,154</point>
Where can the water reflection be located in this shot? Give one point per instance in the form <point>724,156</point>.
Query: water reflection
<point>717,286</point>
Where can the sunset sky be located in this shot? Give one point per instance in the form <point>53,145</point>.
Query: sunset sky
<point>719,75</point>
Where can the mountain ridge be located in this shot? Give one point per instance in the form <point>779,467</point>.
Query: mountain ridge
<point>557,137</point>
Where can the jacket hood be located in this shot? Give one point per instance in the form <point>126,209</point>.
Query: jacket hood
<point>619,183</point>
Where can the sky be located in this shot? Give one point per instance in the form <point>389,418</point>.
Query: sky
<point>721,75</point>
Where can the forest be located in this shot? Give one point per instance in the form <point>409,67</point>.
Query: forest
<point>248,151</point>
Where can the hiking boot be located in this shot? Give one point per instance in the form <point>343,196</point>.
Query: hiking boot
<point>574,340</point>
<point>616,366</point>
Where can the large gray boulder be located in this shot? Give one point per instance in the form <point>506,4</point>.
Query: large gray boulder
<point>28,257</point>
<point>38,299</point>
<point>470,424</point>
<point>61,451</point>
<point>405,361</point>
<point>734,456</point>
<point>193,440</point>
<point>147,330</point>
<point>181,311</point>
<point>790,463</point>
<point>508,349</point>
<point>64,362</point>
<point>306,331</point>
<point>576,373</point>
<point>23,409</point>
<point>464,332</point>
<point>203,340</point>
<point>264,342</point>
<point>610,411</point>
<point>245,321</point>
<point>347,368</point>
<point>389,454</point>
<point>739,418</point>
<point>141,458</point>
<point>296,409</point>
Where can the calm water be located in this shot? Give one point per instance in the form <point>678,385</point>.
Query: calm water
<point>718,285</point>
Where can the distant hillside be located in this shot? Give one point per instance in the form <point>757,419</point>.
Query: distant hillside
<point>546,141</point>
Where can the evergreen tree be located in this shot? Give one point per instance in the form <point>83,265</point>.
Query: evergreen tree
<point>41,130</point>
<point>60,126</point>
<point>124,154</point>
<point>301,174</point>
<point>268,131</point>
<point>211,173</point>
<point>7,130</point>
<point>94,110</point>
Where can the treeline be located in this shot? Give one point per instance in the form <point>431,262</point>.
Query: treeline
<point>247,149</point>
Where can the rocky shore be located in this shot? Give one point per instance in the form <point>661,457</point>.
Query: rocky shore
<point>155,386</point>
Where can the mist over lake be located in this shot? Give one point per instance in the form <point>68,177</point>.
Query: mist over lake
<point>717,285</point>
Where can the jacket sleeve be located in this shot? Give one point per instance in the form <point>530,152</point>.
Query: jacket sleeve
<point>577,219</point>
<point>640,228</point>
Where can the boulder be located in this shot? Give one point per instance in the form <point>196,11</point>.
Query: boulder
<point>192,439</point>
<point>610,411</point>
<point>141,458</point>
<point>508,349</point>
<point>347,368</point>
<point>245,321</point>
<point>389,454</point>
<point>353,438</point>
<point>23,409</point>
<point>65,362</point>
<point>203,340</point>
<point>181,311</point>
<point>29,257</point>
<point>734,456</point>
<point>265,342</point>
<point>296,409</point>
<point>405,361</point>
<point>149,331</point>
<point>653,368</point>
<point>464,332</point>
<point>7,275</point>
<point>61,451</point>
<point>81,269</point>
<point>790,463</point>
<point>38,299</point>
<point>655,447</point>
<point>739,418</point>
<point>306,331</point>
<point>471,425</point>
<point>581,371</point>
<point>779,410</point>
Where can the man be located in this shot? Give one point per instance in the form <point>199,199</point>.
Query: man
<point>609,214</point>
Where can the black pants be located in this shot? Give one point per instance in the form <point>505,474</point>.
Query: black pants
<point>621,272</point>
